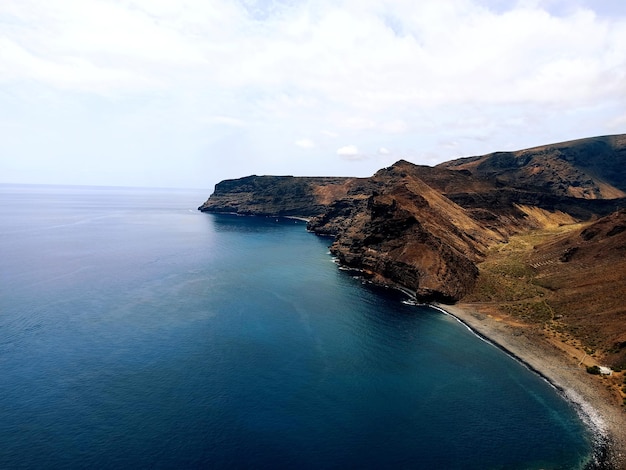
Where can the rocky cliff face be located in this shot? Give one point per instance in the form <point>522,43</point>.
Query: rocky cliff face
<point>426,228</point>
<point>400,231</point>
<point>275,195</point>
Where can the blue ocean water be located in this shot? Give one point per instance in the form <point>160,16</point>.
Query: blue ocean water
<point>136,332</point>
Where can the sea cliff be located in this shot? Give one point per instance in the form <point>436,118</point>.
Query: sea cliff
<point>426,229</point>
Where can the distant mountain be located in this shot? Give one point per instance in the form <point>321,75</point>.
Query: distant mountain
<point>592,168</point>
<point>428,229</point>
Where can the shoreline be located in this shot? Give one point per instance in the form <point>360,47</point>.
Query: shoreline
<point>594,403</point>
<point>552,361</point>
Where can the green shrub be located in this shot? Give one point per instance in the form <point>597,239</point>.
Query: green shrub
<point>594,370</point>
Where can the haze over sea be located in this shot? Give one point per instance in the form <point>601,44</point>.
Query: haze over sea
<point>137,332</point>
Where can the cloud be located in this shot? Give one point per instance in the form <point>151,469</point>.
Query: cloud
<point>91,46</point>
<point>383,151</point>
<point>370,56</point>
<point>217,77</point>
<point>350,152</point>
<point>305,143</point>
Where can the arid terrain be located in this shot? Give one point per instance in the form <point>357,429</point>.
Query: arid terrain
<point>568,278</point>
<point>553,298</point>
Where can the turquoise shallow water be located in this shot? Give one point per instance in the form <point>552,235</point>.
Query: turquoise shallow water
<point>138,332</point>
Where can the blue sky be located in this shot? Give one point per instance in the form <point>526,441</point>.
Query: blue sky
<point>187,93</point>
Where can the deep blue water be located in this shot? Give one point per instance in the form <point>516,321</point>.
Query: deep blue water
<point>136,332</point>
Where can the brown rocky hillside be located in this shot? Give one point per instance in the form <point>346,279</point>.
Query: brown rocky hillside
<point>591,168</point>
<point>584,272</point>
<point>536,232</point>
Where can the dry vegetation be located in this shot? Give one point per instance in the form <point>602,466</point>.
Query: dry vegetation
<point>550,281</point>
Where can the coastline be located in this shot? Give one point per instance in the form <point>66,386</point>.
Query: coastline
<point>596,405</point>
<point>561,366</point>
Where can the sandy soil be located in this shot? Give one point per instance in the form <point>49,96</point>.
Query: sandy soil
<point>561,365</point>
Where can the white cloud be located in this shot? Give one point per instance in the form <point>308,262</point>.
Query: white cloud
<point>452,52</point>
<point>350,152</point>
<point>91,46</point>
<point>305,143</point>
<point>220,75</point>
<point>447,53</point>
<point>383,151</point>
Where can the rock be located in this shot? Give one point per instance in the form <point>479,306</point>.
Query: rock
<point>404,233</point>
<point>274,195</point>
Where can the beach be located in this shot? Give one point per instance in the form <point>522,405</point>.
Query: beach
<point>564,368</point>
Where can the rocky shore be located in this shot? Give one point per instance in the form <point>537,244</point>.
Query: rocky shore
<point>595,401</point>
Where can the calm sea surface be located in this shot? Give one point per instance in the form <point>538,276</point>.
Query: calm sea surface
<point>136,332</point>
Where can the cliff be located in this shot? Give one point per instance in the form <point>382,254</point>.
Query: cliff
<point>275,195</point>
<point>399,230</point>
<point>437,231</point>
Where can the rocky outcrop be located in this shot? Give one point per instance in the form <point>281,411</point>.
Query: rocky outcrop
<point>399,231</point>
<point>275,195</point>
<point>389,244</point>
<point>425,228</point>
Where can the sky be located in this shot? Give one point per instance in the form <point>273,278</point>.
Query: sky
<point>186,93</point>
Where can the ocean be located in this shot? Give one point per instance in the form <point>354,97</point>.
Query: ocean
<point>137,332</point>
